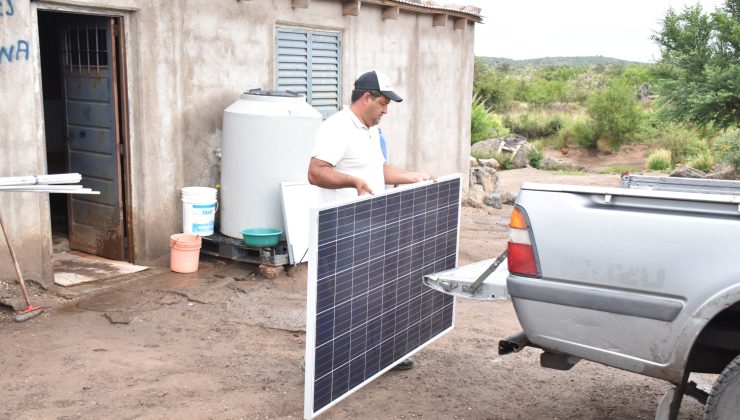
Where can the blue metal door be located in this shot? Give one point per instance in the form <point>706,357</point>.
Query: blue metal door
<point>96,224</point>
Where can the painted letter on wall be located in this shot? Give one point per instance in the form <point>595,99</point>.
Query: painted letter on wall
<point>16,51</point>
<point>7,8</point>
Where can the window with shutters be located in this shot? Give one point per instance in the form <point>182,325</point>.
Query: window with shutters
<point>308,63</point>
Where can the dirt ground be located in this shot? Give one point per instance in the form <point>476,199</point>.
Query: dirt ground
<point>227,343</point>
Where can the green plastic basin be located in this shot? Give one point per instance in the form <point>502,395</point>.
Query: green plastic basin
<point>261,237</point>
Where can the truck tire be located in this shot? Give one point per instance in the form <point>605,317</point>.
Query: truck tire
<point>724,400</point>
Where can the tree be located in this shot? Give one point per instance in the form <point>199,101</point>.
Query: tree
<point>698,75</point>
<point>616,113</point>
<point>493,86</point>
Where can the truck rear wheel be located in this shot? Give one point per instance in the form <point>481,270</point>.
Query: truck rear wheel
<point>724,400</point>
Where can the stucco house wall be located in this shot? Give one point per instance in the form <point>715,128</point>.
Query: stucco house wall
<point>186,61</point>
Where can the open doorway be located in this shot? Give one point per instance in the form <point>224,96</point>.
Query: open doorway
<point>84,99</point>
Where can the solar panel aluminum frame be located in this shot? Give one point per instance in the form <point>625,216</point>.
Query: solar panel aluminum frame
<point>312,290</point>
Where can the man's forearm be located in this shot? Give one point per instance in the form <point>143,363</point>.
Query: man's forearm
<point>395,175</point>
<point>326,177</point>
<point>322,174</point>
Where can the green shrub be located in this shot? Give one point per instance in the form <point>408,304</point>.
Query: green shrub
<point>659,160</point>
<point>484,124</point>
<point>536,154</point>
<point>566,136</point>
<point>540,91</point>
<point>683,143</point>
<point>504,160</point>
<point>586,134</point>
<point>481,124</point>
<point>533,125</point>
<point>727,148</point>
<point>616,113</point>
<point>703,162</point>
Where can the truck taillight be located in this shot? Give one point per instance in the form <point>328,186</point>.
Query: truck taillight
<point>520,250</point>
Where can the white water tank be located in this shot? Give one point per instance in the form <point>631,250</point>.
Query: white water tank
<point>267,139</point>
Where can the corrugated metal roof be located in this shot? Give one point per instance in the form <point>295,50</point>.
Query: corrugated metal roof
<point>470,10</point>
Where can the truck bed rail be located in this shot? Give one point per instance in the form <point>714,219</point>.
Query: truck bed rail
<point>692,185</point>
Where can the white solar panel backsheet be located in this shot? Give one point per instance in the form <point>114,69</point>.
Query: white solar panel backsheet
<point>367,306</point>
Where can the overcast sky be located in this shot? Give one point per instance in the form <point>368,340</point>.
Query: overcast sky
<point>522,29</point>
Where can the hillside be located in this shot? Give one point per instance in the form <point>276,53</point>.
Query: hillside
<point>556,61</point>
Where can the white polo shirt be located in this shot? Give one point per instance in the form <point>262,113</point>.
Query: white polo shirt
<point>346,143</point>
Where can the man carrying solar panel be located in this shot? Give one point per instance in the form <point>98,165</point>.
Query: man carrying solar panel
<point>348,159</point>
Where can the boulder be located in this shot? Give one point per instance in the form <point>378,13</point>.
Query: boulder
<point>521,156</point>
<point>494,200</point>
<point>486,177</point>
<point>486,147</point>
<point>482,182</point>
<point>489,163</point>
<point>683,171</point>
<point>508,198</point>
<point>474,197</point>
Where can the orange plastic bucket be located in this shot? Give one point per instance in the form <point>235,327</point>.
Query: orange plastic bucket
<point>184,252</point>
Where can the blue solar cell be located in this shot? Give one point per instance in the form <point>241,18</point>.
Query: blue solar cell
<point>322,391</point>
<point>324,327</point>
<point>343,287</point>
<point>341,351</point>
<point>359,310</point>
<point>340,382</point>
<point>342,318</point>
<point>324,359</point>
<point>371,307</point>
<point>357,370</point>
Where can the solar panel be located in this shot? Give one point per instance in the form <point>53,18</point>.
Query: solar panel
<point>367,307</point>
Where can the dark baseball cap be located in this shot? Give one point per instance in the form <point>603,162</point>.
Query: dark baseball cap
<point>374,80</point>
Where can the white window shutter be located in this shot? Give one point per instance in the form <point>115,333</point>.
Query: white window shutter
<point>308,63</point>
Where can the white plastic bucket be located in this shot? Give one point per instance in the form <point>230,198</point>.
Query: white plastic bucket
<point>199,205</point>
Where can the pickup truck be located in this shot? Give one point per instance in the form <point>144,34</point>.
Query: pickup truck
<point>644,278</point>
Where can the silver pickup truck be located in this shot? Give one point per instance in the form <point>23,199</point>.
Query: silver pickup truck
<point>644,278</point>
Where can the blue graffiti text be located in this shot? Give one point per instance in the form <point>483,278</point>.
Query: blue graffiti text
<point>17,51</point>
<point>6,8</point>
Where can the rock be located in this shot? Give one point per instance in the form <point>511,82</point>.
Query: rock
<point>473,161</point>
<point>482,183</point>
<point>486,147</point>
<point>508,198</point>
<point>489,163</point>
<point>683,171</point>
<point>521,156</point>
<point>494,200</point>
<point>475,196</point>
<point>483,176</point>
<point>270,272</point>
<point>120,317</point>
